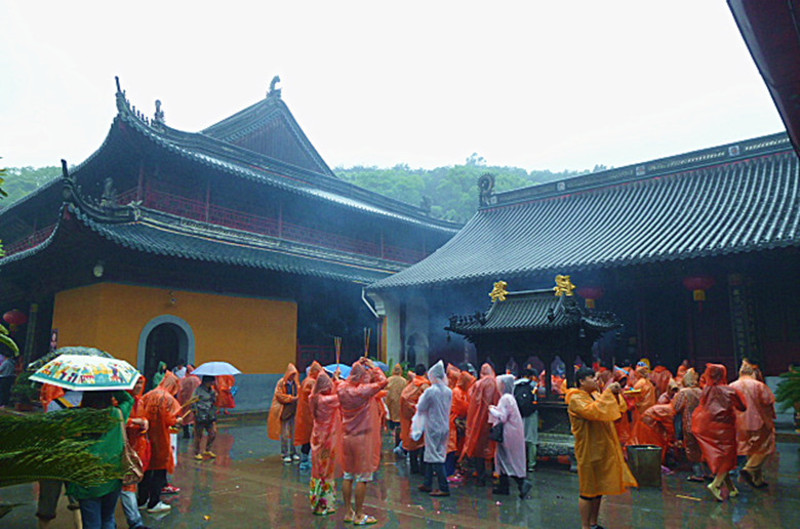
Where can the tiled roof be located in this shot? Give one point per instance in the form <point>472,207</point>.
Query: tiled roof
<point>157,233</point>
<point>213,152</point>
<point>156,236</point>
<point>534,310</point>
<point>730,199</point>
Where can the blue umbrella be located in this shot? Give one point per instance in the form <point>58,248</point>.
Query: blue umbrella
<point>343,368</point>
<point>382,365</point>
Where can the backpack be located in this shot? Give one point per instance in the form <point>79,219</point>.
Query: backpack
<point>526,398</point>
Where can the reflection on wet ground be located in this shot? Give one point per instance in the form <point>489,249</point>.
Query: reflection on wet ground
<point>247,486</point>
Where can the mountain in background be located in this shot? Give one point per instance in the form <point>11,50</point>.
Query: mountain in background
<point>451,192</point>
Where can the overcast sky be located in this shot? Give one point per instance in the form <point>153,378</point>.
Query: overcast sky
<point>535,84</point>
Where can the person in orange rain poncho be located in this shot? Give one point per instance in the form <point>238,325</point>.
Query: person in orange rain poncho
<point>393,390</point>
<point>655,427</point>
<point>361,441</point>
<point>136,431</point>
<point>645,391</point>
<point>280,424</point>
<point>186,387</point>
<point>755,427</point>
<point>408,407</point>
<point>458,423</point>
<point>452,376</point>
<point>714,426</point>
<point>604,376</point>
<point>623,425</point>
<point>162,411</point>
<point>303,422</point>
<point>477,445</point>
<point>225,400</point>
<point>685,402</point>
<point>601,465</point>
<point>682,369</point>
<point>326,444</point>
<point>660,378</point>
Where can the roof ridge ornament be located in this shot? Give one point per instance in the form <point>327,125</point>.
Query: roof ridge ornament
<point>486,189</point>
<point>499,291</point>
<point>122,101</point>
<point>563,286</point>
<point>274,92</point>
<point>158,116</point>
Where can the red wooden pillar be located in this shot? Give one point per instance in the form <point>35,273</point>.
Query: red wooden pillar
<point>140,183</point>
<point>280,219</point>
<point>208,197</point>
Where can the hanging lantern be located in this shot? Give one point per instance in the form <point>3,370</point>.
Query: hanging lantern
<point>591,294</point>
<point>698,285</point>
<point>15,318</point>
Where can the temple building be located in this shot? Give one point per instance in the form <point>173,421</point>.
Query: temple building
<point>235,243</point>
<point>696,255</point>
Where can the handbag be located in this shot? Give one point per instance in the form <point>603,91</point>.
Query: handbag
<point>496,433</point>
<point>132,467</point>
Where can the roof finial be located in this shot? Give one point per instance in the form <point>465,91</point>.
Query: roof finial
<point>158,117</point>
<point>274,92</point>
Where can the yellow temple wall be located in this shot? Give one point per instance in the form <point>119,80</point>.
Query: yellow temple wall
<point>255,335</point>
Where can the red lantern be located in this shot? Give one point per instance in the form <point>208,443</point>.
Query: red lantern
<point>698,285</point>
<point>591,294</point>
<point>15,318</point>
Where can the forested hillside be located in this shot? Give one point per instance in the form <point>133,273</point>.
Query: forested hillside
<point>452,191</point>
<point>20,181</point>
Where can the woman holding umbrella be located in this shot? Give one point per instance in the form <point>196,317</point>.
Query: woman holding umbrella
<point>98,503</point>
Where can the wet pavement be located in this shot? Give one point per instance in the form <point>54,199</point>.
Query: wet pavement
<point>247,487</point>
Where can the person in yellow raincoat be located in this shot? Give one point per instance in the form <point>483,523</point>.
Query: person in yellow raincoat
<point>601,465</point>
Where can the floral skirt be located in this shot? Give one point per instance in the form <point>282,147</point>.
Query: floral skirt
<point>322,494</point>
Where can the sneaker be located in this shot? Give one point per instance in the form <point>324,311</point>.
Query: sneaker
<point>296,458</point>
<point>199,457</point>
<point>287,459</point>
<point>170,489</point>
<point>143,506</point>
<point>159,507</point>
<point>209,453</point>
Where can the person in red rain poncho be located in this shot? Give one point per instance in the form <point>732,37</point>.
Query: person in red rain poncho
<point>408,407</point>
<point>302,420</point>
<point>326,444</point>
<point>186,388</point>
<point>225,400</point>
<point>714,426</point>
<point>685,402</point>
<point>162,410</point>
<point>458,422</point>
<point>655,427</point>
<point>682,369</point>
<point>660,378</point>
<point>477,445</point>
<point>136,431</point>
<point>361,439</point>
<point>755,427</point>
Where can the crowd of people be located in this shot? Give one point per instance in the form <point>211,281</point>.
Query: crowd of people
<point>152,420</point>
<point>450,423</point>
<point>454,424</point>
